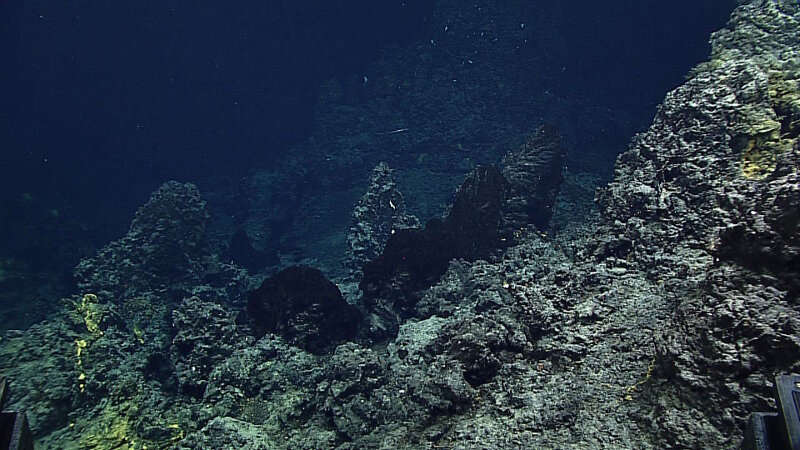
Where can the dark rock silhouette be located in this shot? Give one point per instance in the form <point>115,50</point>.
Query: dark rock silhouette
<point>534,172</point>
<point>303,307</point>
<point>241,251</point>
<point>474,226</point>
<point>416,258</point>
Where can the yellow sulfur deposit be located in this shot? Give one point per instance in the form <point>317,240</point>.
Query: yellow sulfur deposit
<point>758,161</point>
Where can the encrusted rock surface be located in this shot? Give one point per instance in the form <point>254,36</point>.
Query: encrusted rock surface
<point>709,198</point>
<point>100,372</point>
<point>39,363</point>
<point>204,333</point>
<point>380,213</point>
<point>534,172</point>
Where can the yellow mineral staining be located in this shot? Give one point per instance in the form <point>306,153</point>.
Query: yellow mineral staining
<point>89,312</point>
<point>635,387</point>
<point>89,308</point>
<point>113,429</point>
<point>81,345</point>
<point>139,333</point>
<point>772,132</point>
<point>82,382</point>
<point>110,431</point>
<point>758,161</point>
<point>784,94</point>
<point>177,432</point>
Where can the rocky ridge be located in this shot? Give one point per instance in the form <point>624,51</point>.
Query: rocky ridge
<point>620,337</point>
<point>657,325</point>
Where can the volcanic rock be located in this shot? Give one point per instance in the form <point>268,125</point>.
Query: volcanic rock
<point>302,306</point>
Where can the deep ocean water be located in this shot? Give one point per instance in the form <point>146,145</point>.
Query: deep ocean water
<point>398,224</point>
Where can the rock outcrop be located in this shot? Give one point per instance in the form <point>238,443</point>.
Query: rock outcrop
<point>166,244</point>
<point>129,348</point>
<point>534,173</point>
<point>487,211</point>
<point>657,326</point>
<point>380,213</point>
<point>302,306</point>
<point>709,200</point>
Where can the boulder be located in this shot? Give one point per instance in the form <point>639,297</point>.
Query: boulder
<point>303,307</point>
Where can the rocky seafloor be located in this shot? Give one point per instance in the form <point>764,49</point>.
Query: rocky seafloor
<point>659,322</point>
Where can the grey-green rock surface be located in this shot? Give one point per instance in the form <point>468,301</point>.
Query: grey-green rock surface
<point>380,213</point>
<point>658,323</point>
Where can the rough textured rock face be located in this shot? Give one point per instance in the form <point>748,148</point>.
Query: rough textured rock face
<point>303,307</point>
<point>659,325</point>
<point>415,259</point>
<point>274,388</point>
<point>534,173</point>
<point>39,364</point>
<point>710,197</point>
<point>166,244</point>
<point>205,333</point>
<point>684,300</point>
<point>380,213</point>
